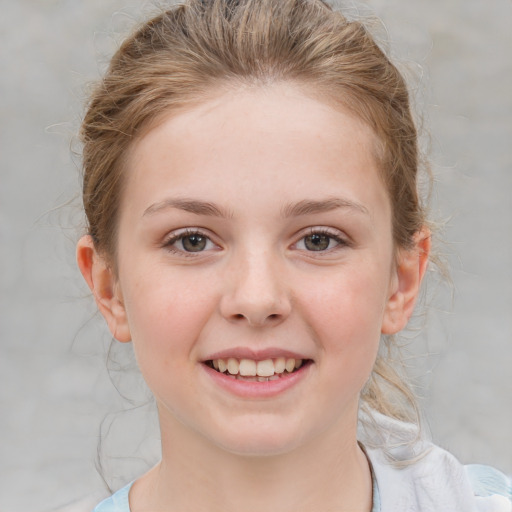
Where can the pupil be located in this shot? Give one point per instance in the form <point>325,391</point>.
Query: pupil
<point>317,242</point>
<point>194,243</point>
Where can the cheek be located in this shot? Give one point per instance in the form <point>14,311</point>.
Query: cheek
<point>346,313</point>
<point>166,316</point>
<point>352,301</point>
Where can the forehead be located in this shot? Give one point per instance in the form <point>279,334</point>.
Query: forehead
<point>254,141</point>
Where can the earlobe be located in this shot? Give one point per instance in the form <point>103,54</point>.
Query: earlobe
<point>411,268</point>
<point>104,286</point>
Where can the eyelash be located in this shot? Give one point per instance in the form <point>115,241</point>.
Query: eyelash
<point>169,243</point>
<point>340,241</point>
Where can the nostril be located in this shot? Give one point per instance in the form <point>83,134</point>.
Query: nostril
<point>272,317</point>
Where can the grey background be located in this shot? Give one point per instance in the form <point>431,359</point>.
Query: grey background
<point>55,391</point>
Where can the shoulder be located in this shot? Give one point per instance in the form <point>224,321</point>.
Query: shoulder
<point>490,484</point>
<point>488,488</point>
<point>415,475</point>
<point>118,502</point>
<point>436,480</point>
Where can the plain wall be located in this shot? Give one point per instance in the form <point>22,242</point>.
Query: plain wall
<point>55,389</point>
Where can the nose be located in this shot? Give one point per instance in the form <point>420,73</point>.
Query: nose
<point>255,292</point>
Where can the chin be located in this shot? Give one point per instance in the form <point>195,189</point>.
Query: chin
<point>260,440</point>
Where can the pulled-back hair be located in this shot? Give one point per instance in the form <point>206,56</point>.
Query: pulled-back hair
<point>179,57</point>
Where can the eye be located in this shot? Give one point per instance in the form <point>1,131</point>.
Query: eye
<point>320,241</point>
<point>190,241</point>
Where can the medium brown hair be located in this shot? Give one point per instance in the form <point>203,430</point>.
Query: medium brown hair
<point>177,58</point>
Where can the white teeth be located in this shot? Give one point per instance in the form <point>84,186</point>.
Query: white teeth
<point>279,365</point>
<point>268,369</point>
<point>290,365</point>
<point>233,366</point>
<point>265,368</point>
<point>248,368</point>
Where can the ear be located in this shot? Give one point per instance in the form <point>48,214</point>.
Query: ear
<point>411,267</point>
<point>104,286</point>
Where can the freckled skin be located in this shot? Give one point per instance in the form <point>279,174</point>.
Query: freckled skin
<point>265,153</point>
<point>256,283</point>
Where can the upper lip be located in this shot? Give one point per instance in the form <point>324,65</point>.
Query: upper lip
<point>255,354</point>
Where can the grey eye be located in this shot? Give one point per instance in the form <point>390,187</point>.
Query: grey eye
<point>194,243</point>
<point>317,242</point>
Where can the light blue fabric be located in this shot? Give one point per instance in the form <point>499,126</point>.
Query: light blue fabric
<point>118,502</point>
<point>487,481</point>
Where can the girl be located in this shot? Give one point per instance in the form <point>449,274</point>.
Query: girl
<point>254,228</point>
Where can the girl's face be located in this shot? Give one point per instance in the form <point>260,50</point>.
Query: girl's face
<point>255,227</point>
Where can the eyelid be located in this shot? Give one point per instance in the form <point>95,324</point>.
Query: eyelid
<point>174,236</point>
<point>339,236</point>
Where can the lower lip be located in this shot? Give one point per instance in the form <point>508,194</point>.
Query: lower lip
<point>254,389</point>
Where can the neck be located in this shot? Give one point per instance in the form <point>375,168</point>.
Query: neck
<point>330,473</point>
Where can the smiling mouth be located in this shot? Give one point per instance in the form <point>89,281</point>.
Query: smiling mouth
<point>257,371</point>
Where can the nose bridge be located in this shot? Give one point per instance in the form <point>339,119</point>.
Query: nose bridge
<point>256,292</point>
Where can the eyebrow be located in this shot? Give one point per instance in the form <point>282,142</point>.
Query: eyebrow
<point>308,207</point>
<point>188,205</point>
<point>305,207</point>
